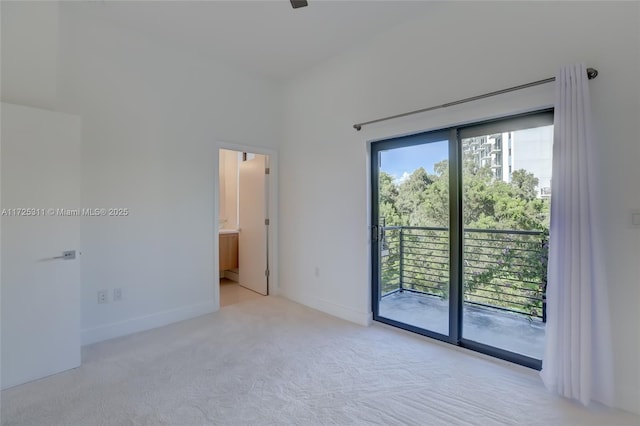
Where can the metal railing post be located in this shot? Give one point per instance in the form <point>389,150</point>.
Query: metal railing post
<point>401,254</point>
<point>544,282</point>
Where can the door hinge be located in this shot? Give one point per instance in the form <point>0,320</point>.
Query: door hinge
<point>267,170</point>
<point>267,222</point>
<point>266,273</point>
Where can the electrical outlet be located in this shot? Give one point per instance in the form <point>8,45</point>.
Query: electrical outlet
<point>117,294</point>
<point>102,296</point>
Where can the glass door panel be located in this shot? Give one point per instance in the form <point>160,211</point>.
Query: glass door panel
<point>413,234</point>
<point>506,180</point>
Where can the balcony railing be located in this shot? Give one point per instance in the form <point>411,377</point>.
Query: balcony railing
<point>502,269</point>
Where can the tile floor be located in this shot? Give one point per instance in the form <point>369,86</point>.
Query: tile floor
<point>231,293</point>
<point>505,330</point>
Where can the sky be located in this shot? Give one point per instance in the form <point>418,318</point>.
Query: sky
<point>401,162</point>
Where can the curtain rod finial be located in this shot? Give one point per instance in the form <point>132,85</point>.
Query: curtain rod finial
<point>592,73</point>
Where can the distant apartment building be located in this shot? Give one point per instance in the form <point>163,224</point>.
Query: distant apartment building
<point>529,149</point>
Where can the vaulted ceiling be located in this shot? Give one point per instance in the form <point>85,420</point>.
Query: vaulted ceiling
<point>269,37</point>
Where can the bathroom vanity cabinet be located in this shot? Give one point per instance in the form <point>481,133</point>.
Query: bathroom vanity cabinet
<point>228,250</point>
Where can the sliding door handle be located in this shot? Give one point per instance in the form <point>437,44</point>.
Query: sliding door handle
<point>374,234</point>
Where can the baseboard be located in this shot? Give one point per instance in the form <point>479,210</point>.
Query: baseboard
<point>231,275</point>
<point>147,322</point>
<point>331,308</point>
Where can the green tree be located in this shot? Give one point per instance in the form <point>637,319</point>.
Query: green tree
<point>434,209</point>
<point>388,194</point>
<point>525,184</point>
<point>423,199</point>
<point>494,262</point>
<point>411,197</point>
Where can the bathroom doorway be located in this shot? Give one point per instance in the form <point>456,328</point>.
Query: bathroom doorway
<point>243,226</point>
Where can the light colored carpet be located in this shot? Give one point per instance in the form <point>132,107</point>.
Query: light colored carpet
<point>270,361</point>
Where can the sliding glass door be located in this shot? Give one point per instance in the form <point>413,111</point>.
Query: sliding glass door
<point>412,187</point>
<point>459,238</point>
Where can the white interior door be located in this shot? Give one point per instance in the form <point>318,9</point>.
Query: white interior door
<point>40,294</point>
<point>252,212</point>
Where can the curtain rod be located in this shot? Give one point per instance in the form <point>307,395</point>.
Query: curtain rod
<point>591,74</point>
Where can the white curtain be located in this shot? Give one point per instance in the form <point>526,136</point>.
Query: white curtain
<point>578,361</point>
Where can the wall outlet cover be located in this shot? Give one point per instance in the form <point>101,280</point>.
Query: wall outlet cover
<point>117,294</point>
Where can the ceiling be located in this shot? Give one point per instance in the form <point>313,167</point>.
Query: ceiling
<point>268,37</point>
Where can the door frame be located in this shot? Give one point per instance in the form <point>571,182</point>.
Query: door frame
<point>452,133</point>
<point>272,236</point>
<point>427,137</point>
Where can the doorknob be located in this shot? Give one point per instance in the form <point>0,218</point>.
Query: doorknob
<point>67,255</point>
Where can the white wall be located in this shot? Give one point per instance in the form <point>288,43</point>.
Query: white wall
<point>151,118</point>
<point>459,50</point>
<point>29,53</point>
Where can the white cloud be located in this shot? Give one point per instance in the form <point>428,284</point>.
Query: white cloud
<point>402,178</point>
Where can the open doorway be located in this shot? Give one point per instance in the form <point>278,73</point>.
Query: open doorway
<point>243,226</point>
